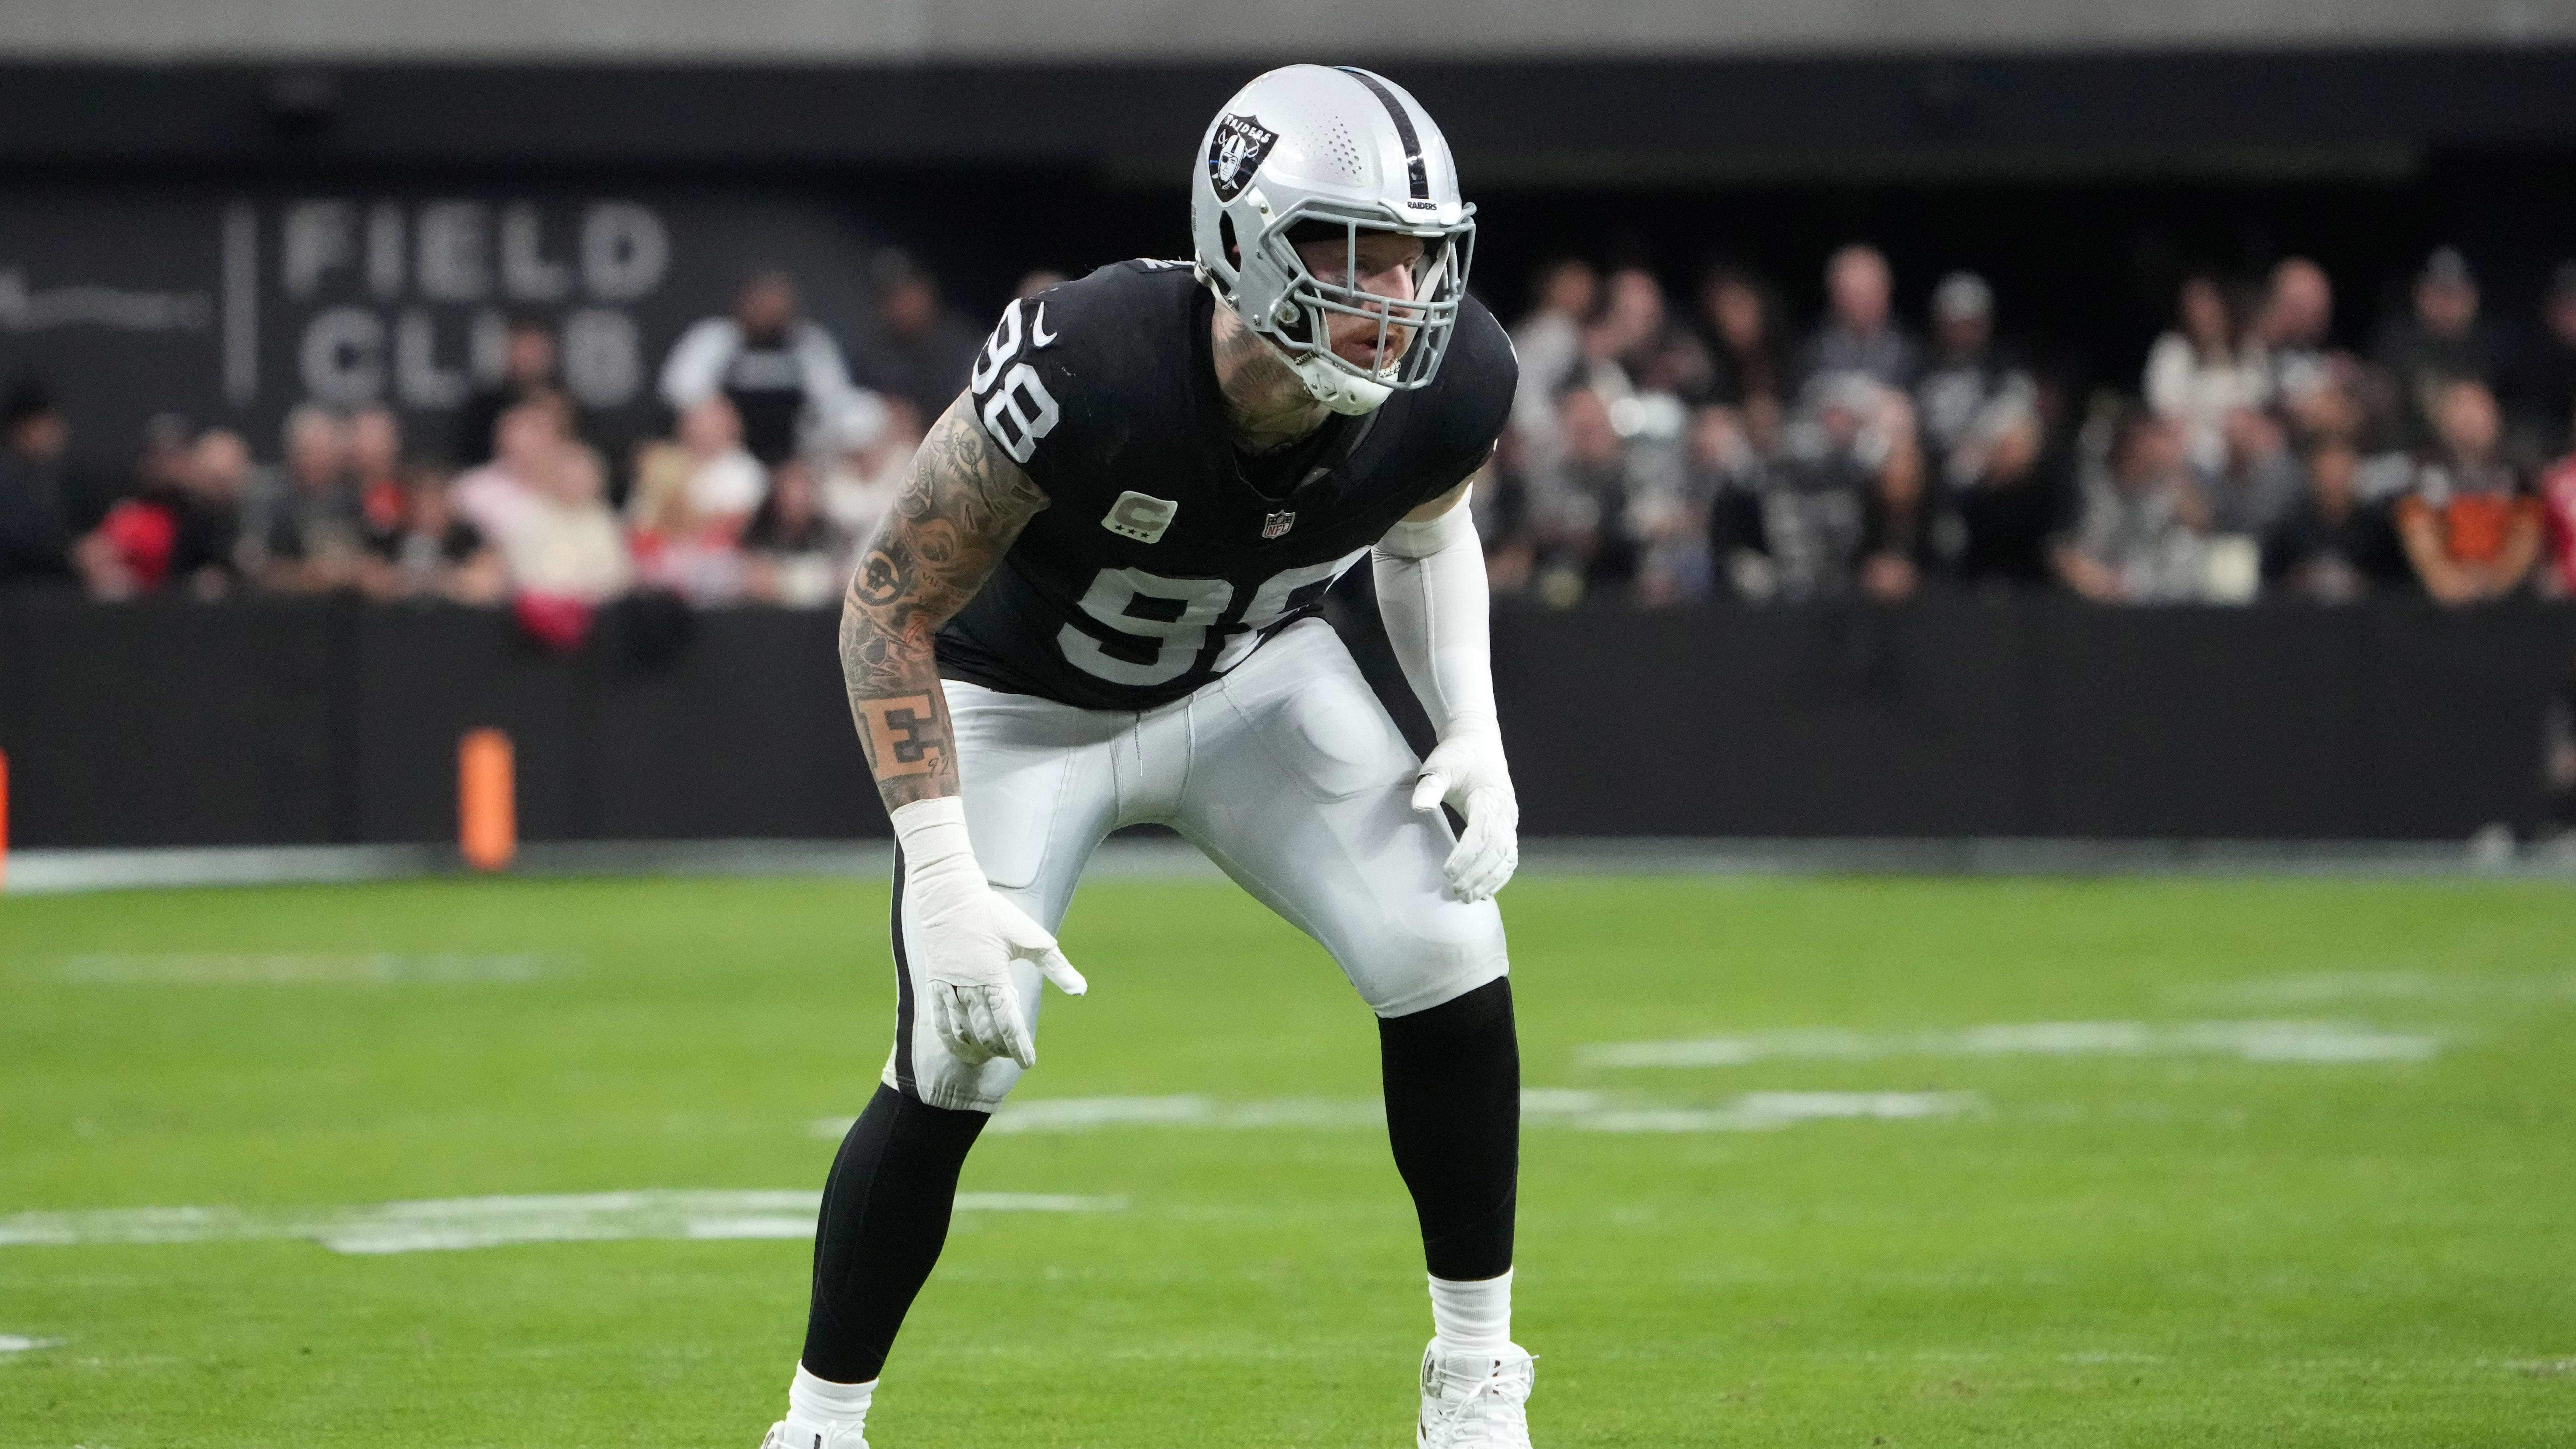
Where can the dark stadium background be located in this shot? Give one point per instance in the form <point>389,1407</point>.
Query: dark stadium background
<point>2083,181</point>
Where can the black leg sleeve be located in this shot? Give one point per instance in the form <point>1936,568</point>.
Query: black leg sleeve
<point>885,1217</point>
<point>1453,1114</point>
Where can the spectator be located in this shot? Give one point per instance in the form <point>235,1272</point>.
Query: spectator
<point>1897,540</point>
<point>565,554</point>
<point>690,504</point>
<point>782,373</point>
<point>1638,350</point>
<point>1740,329</point>
<point>1841,507</point>
<point>1639,364</point>
<point>920,350</point>
<point>527,439</point>
<point>302,531</point>
<point>2258,484</point>
<point>209,550</point>
<point>2332,547</point>
<point>162,467</point>
<point>2558,503</point>
<point>2138,538</point>
<point>1726,476</point>
<point>1860,333</point>
<point>36,506</point>
<point>704,472</point>
<point>726,483</point>
<point>2007,496</point>
<point>1549,343</point>
<point>136,547</point>
<point>531,366</point>
<point>867,471</point>
<point>2295,332</point>
<point>1503,499</point>
<point>793,554</point>
<point>1583,508</point>
<point>1622,342</point>
<point>1968,374</point>
<point>2202,371</point>
<point>1673,513</point>
<point>2469,529</point>
<point>376,469</point>
<point>433,551</point>
<point>2356,404</point>
<point>2441,339</point>
<point>2542,384</point>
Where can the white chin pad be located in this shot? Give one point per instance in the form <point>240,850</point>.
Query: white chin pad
<point>1337,389</point>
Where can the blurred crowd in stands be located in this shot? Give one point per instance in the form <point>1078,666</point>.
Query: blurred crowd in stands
<point>1671,450</point>
<point>1662,449</point>
<point>782,452</point>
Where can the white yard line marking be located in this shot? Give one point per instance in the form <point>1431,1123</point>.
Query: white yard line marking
<point>1080,1114</point>
<point>2321,987</point>
<point>18,1343</point>
<point>2313,1042</point>
<point>485,1222</point>
<point>1580,1111</point>
<point>297,968</point>
<point>1753,1111</point>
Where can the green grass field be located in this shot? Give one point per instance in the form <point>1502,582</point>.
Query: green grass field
<point>2162,1226</point>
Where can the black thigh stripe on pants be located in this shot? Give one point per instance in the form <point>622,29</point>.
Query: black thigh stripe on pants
<point>903,1004</point>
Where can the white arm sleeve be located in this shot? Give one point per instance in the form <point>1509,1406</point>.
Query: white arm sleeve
<point>1431,592</point>
<point>696,367</point>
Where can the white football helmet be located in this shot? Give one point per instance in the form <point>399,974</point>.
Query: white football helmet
<point>1308,152</point>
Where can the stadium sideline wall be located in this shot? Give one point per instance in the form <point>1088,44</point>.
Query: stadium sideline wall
<point>276,723</point>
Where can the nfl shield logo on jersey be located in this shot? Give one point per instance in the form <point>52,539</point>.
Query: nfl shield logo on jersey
<point>1275,524</point>
<point>1240,145</point>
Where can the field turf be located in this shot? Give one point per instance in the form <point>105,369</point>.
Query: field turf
<point>2150,1224</point>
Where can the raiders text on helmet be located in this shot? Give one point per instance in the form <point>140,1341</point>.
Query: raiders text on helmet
<point>1324,151</point>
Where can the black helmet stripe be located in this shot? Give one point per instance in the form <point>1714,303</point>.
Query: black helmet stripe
<point>1413,167</point>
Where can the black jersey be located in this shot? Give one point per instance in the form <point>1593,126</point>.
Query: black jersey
<point>1164,556</point>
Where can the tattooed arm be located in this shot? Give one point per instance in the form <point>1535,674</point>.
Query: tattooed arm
<point>957,515</point>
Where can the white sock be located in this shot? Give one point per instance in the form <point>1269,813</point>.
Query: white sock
<point>1472,1317</point>
<point>817,1404</point>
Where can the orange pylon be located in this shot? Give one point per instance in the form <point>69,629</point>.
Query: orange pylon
<point>487,799</point>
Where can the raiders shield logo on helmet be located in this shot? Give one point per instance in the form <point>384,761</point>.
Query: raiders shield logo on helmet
<point>1241,143</point>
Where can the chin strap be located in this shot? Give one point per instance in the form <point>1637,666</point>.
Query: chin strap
<point>1337,389</point>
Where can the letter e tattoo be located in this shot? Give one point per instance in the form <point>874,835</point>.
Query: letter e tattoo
<point>895,727</point>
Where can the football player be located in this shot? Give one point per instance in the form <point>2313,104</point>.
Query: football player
<point>1095,606</point>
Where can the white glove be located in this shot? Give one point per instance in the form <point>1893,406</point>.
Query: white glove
<point>1431,590</point>
<point>1466,770</point>
<point>965,937</point>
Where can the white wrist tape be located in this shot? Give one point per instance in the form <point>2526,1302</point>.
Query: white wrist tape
<point>932,831</point>
<point>1431,592</point>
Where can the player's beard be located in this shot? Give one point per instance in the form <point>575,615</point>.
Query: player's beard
<point>1266,404</point>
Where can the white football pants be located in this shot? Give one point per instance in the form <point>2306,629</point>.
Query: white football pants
<point>1285,772</point>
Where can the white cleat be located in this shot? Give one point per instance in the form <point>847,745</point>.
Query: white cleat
<point>1473,1401</point>
<point>786,1435</point>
